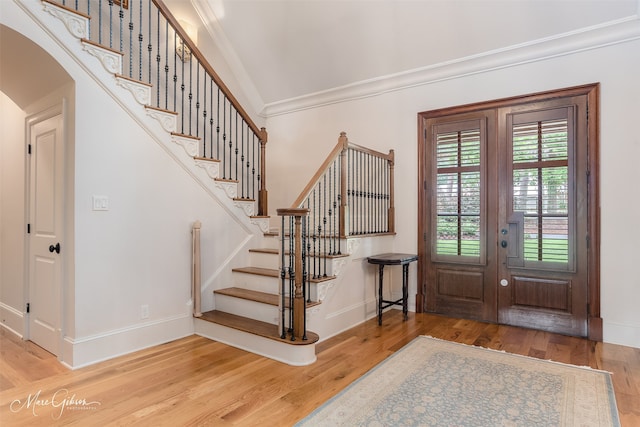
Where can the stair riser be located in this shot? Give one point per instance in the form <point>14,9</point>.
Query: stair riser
<point>267,260</point>
<point>264,260</point>
<point>255,310</point>
<point>256,282</point>
<point>271,285</point>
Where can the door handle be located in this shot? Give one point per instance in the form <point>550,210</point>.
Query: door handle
<point>55,248</point>
<point>503,243</point>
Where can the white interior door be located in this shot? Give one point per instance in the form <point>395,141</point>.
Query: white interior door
<point>46,248</point>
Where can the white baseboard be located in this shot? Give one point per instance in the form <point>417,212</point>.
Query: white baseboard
<point>12,319</point>
<point>81,352</point>
<point>294,355</point>
<point>622,334</point>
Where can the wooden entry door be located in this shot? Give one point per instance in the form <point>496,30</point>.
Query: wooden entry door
<point>506,220</point>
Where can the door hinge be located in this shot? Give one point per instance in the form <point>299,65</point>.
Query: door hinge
<point>587,112</point>
<point>28,228</point>
<point>29,148</point>
<point>588,241</point>
<point>424,236</point>
<point>28,307</point>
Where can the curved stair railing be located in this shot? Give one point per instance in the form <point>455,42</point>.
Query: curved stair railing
<point>158,53</point>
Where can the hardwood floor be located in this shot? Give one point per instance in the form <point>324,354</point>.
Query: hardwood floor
<point>195,381</point>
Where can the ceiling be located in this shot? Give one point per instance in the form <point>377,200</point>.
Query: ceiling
<point>283,50</point>
<point>287,49</point>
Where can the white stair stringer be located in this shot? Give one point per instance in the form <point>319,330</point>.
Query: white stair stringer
<point>188,143</point>
<point>323,289</point>
<point>78,25</point>
<point>110,60</point>
<point>140,91</point>
<point>261,222</point>
<point>248,206</point>
<point>167,119</point>
<point>294,355</point>
<point>230,187</point>
<point>210,166</point>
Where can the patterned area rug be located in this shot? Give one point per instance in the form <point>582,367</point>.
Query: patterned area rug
<point>431,382</point>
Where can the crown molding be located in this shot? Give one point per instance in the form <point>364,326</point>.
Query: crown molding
<point>588,38</point>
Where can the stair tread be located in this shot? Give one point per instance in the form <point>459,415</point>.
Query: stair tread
<point>252,326</point>
<point>277,251</point>
<point>272,272</point>
<point>206,159</point>
<point>258,296</point>
<point>248,294</point>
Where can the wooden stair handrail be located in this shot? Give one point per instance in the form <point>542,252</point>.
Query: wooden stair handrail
<point>164,10</point>
<point>341,147</point>
<point>263,209</point>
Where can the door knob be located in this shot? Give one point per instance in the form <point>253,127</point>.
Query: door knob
<point>503,243</point>
<point>55,248</point>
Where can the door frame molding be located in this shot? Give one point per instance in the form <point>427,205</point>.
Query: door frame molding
<point>592,92</point>
<point>57,109</point>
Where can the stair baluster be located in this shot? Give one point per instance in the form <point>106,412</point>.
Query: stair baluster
<point>293,273</point>
<point>136,26</point>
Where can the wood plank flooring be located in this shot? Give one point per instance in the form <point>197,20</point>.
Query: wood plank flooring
<point>198,382</point>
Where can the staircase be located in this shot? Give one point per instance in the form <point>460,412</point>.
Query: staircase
<point>248,313</point>
<point>253,311</point>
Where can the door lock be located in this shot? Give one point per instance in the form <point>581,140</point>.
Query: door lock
<point>504,282</point>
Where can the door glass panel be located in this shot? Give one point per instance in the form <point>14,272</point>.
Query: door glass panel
<point>541,188</point>
<point>458,194</point>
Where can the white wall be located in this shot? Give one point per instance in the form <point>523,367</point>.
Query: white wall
<point>389,120</point>
<point>12,215</point>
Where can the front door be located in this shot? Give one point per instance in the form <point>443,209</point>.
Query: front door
<point>506,215</point>
<point>46,223</point>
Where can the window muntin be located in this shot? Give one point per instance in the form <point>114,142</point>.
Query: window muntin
<point>540,180</point>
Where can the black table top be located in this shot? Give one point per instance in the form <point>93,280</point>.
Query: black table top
<point>392,259</point>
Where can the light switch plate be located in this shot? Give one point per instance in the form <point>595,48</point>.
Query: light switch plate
<point>100,203</point>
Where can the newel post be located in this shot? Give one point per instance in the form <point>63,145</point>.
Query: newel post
<point>392,210</point>
<point>263,208</point>
<point>196,274</point>
<point>296,272</point>
<point>344,207</point>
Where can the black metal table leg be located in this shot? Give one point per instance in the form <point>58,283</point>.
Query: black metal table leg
<point>380,300</point>
<point>405,290</point>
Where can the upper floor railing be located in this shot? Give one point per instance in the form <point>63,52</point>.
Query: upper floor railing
<point>157,51</point>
